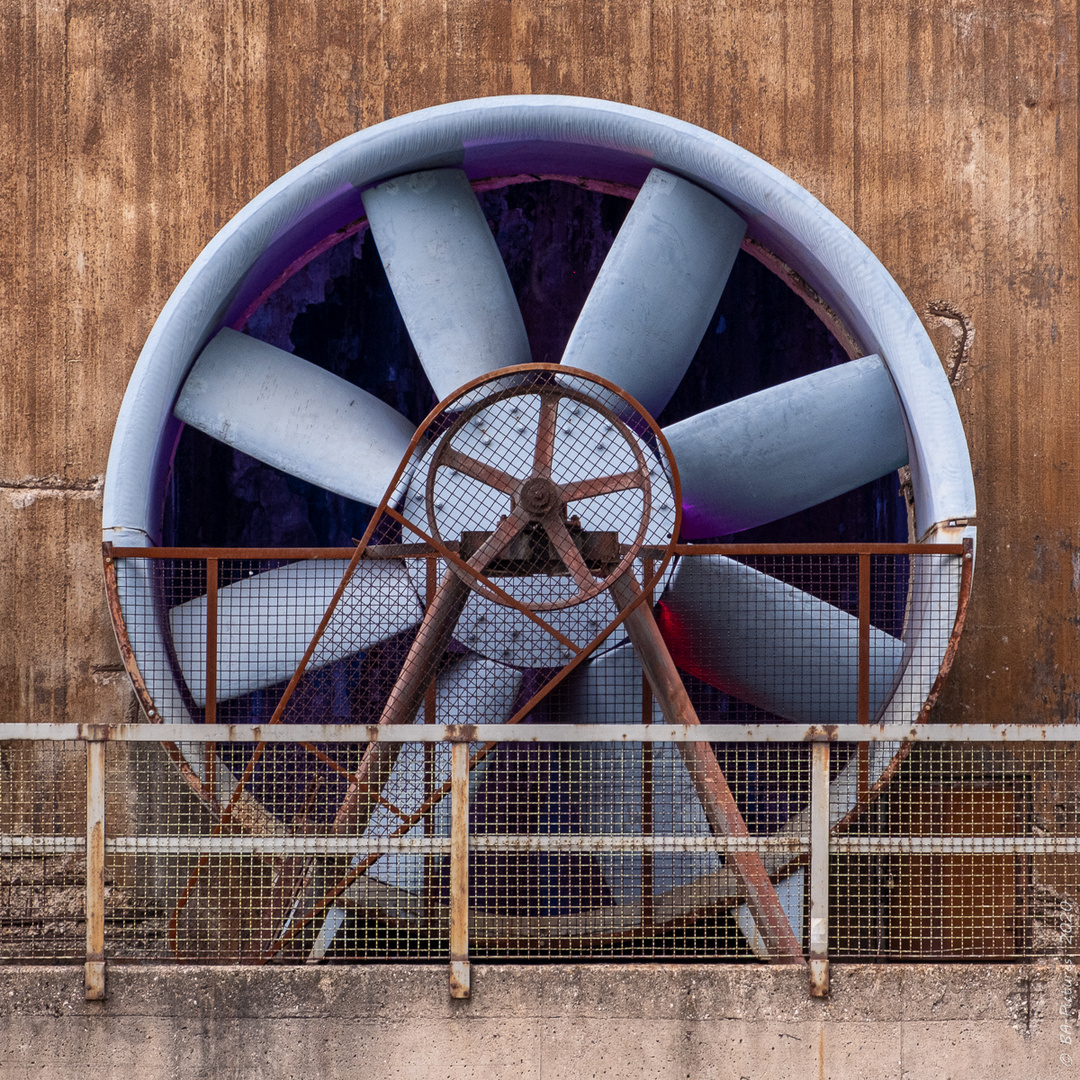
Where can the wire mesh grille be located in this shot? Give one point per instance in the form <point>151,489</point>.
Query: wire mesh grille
<point>577,849</point>
<point>604,850</point>
<point>42,851</point>
<point>946,863</point>
<point>325,849</point>
<point>759,638</point>
<point>261,878</point>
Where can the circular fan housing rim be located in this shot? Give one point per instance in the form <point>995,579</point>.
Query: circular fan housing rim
<point>501,136</point>
<point>535,135</point>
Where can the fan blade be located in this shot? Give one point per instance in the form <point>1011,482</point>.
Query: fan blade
<point>656,293</point>
<point>265,622</point>
<point>475,691</point>
<point>772,645</point>
<point>295,416</point>
<point>447,276</point>
<point>607,690</point>
<point>781,450</point>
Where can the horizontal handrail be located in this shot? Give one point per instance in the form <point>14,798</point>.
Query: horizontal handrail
<point>544,733</point>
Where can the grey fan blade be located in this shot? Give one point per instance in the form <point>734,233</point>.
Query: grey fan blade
<point>607,690</point>
<point>653,299</point>
<point>474,691</point>
<point>781,450</point>
<point>265,622</point>
<point>772,645</point>
<point>447,276</point>
<point>295,416</point>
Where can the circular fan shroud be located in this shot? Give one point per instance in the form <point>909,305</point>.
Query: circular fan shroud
<point>614,144</point>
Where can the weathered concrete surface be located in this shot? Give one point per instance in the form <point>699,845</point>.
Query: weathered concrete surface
<point>943,133</point>
<point>627,1021</point>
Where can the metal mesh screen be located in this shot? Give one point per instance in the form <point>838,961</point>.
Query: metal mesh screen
<point>945,864</point>
<point>265,874</point>
<point>42,851</point>
<point>778,637</point>
<point>321,849</point>
<point>576,849</point>
<point>604,850</point>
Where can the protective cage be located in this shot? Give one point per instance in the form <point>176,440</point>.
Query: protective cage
<point>529,554</point>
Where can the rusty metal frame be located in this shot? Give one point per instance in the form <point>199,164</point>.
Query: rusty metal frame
<point>633,611</point>
<point>820,843</point>
<point>1003,734</point>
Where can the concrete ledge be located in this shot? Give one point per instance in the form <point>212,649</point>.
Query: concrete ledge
<point>617,1020</point>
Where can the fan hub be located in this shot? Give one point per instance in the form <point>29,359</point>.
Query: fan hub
<point>552,446</point>
<point>538,496</point>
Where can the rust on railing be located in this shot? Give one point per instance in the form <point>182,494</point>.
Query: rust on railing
<point>751,880</point>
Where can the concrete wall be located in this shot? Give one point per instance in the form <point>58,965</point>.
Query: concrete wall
<point>649,1022</point>
<point>943,133</point>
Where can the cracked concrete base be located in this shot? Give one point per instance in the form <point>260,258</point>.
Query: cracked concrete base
<point>960,1022</point>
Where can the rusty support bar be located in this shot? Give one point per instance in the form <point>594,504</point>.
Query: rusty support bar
<point>474,573</point>
<point>819,870</point>
<point>406,697</point>
<point>820,549</point>
<point>431,898</point>
<point>863,713</point>
<point>309,845</point>
<point>459,870</point>
<point>721,810</point>
<point>647,867</point>
<point>372,551</point>
<point>1037,734</point>
<point>94,968</point>
<point>864,638</point>
<point>421,550</point>
<point>210,712</point>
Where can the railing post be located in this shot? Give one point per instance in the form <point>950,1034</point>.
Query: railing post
<point>863,715</point>
<point>94,968</point>
<point>819,870</point>
<point>210,712</point>
<point>459,870</point>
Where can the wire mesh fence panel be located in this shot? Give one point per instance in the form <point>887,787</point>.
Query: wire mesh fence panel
<point>837,637</point>
<point>955,860</point>
<point>266,875</point>
<point>42,850</point>
<point>604,850</point>
<point>596,847</point>
<point>258,850</point>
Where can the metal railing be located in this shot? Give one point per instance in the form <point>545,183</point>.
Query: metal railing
<point>958,860</point>
<point>673,819</point>
<point>886,618</point>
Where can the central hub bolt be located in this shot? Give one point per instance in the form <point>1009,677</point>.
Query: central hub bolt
<point>538,496</point>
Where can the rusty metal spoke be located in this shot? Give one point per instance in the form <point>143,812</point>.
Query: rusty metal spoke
<point>568,552</point>
<point>450,458</point>
<point>545,434</point>
<point>601,485</point>
<point>721,810</point>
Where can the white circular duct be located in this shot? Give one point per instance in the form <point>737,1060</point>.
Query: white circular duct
<point>541,135</point>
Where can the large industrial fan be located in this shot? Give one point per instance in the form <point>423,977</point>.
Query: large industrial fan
<point>547,501</point>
